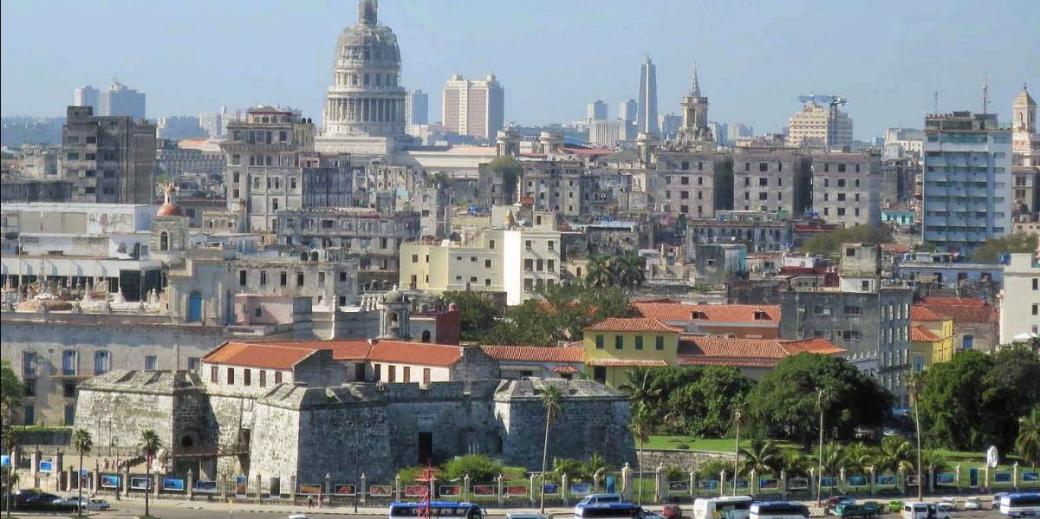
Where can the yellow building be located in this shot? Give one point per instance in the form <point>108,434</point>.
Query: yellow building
<point>616,345</point>
<point>931,337</point>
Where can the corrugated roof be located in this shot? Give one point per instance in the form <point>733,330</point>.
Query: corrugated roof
<point>634,324</point>
<point>671,312</point>
<point>257,355</point>
<point>536,353</point>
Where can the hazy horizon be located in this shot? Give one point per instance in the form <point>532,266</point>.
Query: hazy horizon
<point>887,58</point>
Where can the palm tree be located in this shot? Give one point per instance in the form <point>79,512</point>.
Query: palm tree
<point>832,459</point>
<point>642,387</point>
<point>594,466</point>
<point>1028,442</point>
<point>914,383</point>
<point>82,442</point>
<point>796,463</point>
<point>552,399</point>
<point>640,426</point>
<point>895,455</point>
<point>858,457</point>
<point>598,272</point>
<point>762,456</point>
<point>149,446</point>
<point>629,269</point>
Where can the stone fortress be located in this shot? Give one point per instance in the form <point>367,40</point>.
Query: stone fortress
<point>298,434</point>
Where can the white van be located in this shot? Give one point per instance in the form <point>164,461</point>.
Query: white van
<point>729,507</point>
<point>919,510</point>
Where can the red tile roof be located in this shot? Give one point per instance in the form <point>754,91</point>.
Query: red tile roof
<point>401,352</point>
<point>923,313</point>
<point>536,353</point>
<point>634,324</point>
<point>728,351</point>
<point>257,355</point>
<point>628,363</point>
<point>921,334</point>
<point>967,314</point>
<point>950,301</point>
<point>671,312</point>
<point>341,350</point>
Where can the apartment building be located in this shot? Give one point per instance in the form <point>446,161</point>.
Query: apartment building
<point>846,188</point>
<point>771,179</point>
<point>694,184</point>
<point>107,159</point>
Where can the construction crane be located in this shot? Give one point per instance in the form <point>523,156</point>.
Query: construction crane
<point>833,101</point>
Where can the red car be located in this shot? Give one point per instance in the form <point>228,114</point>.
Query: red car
<point>672,512</point>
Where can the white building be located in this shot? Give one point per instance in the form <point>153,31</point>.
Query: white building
<point>606,133</point>
<point>967,187</point>
<point>1020,299</point>
<point>819,126</point>
<point>473,107</point>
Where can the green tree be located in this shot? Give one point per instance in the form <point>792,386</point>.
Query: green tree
<point>572,468</point>
<point>599,272</point>
<point>642,389</point>
<point>510,170</point>
<point>762,456</point>
<point>895,454</point>
<point>595,466</point>
<point>796,463</point>
<point>629,269</point>
<point>478,466</point>
<point>1028,442</point>
<point>784,402</point>
<point>149,446</point>
<point>951,402</point>
<point>829,243</point>
<point>552,399</point>
<point>832,459</point>
<point>991,250</point>
<point>11,391</point>
<point>562,313</point>
<point>858,456</point>
<point>1010,390</point>
<point>477,313</point>
<point>83,443</point>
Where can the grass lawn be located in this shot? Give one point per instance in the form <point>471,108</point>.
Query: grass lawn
<point>725,445</point>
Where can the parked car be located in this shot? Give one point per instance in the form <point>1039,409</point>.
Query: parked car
<point>868,509</point>
<point>98,505</point>
<point>524,515</point>
<point>996,499</point>
<point>647,514</point>
<point>834,501</point>
<point>919,510</point>
<point>972,503</point>
<point>672,512</point>
<point>946,508</point>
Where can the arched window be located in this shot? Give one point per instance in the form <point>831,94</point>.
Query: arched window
<point>426,336</point>
<point>102,362</point>
<point>164,241</point>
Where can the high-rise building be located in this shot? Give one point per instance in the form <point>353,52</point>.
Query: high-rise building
<point>740,130</point>
<point>473,107</point>
<point>646,118</point>
<point>418,107</point>
<point>211,124</point>
<point>596,111</point>
<point>121,100</point>
<point>846,188</point>
<point>178,127</point>
<point>107,159</point>
<point>86,96</point>
<point>817,126</point>
<point>364,108</point>
<point>606,132</point>
<point>669,125</point>
<point>627,110</point>
<point>966,197</point>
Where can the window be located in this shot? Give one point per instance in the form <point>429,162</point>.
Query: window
<point>241,278</point>
<point>151,363</point>
<point>391,374</point>
<point>1035,309</point>
<point>284,278</point>
<point>102,362</point>
<point>639,342</point>
<point>30,387</point>
<point>68,362</point>
<point>68,389</point>
<point>299,279</point>
<point>619,342</point>
<point>406,374</point>
<point>263,378</point>
<point>277,377</point>
<point>599,342</point>
<point>214,374</point>
<point>247,376</point>
<point>491,244</point>
<point>29,414</point>
<point>426,376</point>
<point>1036,284</point>
<point>231,376</point>
<point>527,244</point>
<point>659,342</point>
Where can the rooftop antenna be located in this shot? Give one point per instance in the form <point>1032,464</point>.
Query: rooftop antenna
<point>985,95</point>
<point>936,101</point>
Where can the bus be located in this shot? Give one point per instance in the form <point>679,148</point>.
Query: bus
<point>779,510</point>
<point>1021,504</point>
<point>614,510</point>
<point>443,509</point>
<point>728,507</point>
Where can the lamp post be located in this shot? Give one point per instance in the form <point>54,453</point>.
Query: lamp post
<point>357,467</point>
<point>819,480</point>
<point>736,452</point>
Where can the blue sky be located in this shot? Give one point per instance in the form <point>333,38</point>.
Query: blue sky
<point>553,57</point>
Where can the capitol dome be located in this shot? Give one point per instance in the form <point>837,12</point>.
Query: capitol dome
<point>169,207</point>
<point>366,98</point>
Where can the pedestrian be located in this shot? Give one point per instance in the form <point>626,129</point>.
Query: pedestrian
<point>310,501</point>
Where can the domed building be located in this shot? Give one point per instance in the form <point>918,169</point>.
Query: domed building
<point>364,108</point>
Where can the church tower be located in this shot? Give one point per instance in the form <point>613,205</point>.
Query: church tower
<point>695,114</point>
<point>395,316</point>
<point>1024,139</point>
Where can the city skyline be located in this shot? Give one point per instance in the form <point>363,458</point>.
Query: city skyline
<point>889,88</point>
